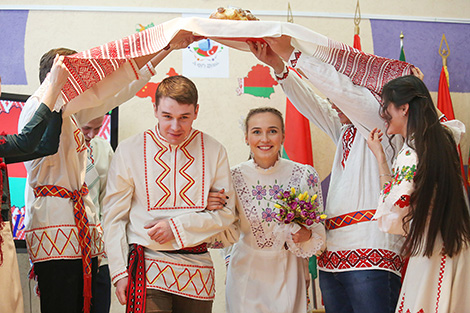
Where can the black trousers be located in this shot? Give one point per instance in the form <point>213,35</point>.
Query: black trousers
<point>60,285</point>
<point>102,295</point>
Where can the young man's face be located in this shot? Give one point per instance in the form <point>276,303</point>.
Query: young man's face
<point>92,129</point>
<point>175,120</point>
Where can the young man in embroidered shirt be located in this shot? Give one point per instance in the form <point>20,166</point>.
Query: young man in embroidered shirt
<point>61,229</point>
<point>100,154</point>
<point>360,270</point>
<point>158,185</point>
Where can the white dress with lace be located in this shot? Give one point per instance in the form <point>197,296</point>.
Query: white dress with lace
<point>436,284</point>
<point>264,276</point>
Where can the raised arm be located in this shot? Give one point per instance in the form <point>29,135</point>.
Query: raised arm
<point>122,84</point>
<point>302,96</point>
<point>357,102</point>
<point>34,140</point>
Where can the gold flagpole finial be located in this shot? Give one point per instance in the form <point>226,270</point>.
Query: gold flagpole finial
<point>290,17</point>
<point>401,35</point>
<point>444,51</point>
<point>357,18</point>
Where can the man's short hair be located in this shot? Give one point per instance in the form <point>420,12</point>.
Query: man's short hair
<point>47,60</point>
<point>179,88</point>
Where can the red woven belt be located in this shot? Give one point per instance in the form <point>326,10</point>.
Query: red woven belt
<point>136,286</point>
<point>202,248</point>
<point>84,236</point>
<point>349,219</point>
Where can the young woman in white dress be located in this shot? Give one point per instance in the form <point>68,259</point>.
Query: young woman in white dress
<point>424,199</point>
<point>268,267</point>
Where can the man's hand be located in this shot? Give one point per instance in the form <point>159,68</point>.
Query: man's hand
<point>216,200</point>
<point>160,231</point>
<point>265,54</point>
<point>183,39</point>
<point>121,290</point>
<point>281,46</point>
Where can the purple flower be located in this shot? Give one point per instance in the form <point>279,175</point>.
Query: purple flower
<point>309,222</point>
<point>268,215</point>
<point>312,180</point>
<point>259,192</point>
<point>313,215</point>
<point>290,216</point>
<point>286,194</point>
<point>275,190</point>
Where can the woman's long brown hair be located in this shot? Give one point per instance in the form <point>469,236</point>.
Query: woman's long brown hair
<point>438,204</point>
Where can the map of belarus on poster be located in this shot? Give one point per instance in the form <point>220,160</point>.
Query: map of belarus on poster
<point>205,58</point>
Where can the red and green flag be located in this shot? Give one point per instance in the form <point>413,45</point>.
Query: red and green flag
<point>444,104</point>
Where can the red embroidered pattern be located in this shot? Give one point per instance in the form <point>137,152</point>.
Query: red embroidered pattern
<point>439,283</point>
<point>402,303</point>
<point>404,201</point>
<point>183,169</point>
<point>79,140</point>
<point>117,275</point>
<point>177,233</point>
<point>284,76</point>
<point>364,69</point>
<point>178,281</point>
<point>293,62</point>
<point>349,219</point>
<point>6,106</point>
<point>360,258</point>
<point>89,67</point>
<point>348,139</point>
<point>51,242</point>
<point>165,172</point>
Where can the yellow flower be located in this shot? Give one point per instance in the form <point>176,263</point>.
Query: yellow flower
<point>323,216</point>
<point>314,197</point>
<point>301,196</point>
<point>277,206</point>
<point>292,190</point>
<point>305,195</point>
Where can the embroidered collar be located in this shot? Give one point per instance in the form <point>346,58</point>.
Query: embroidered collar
<point>266,170</point>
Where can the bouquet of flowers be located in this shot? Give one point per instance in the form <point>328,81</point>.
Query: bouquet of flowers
<point>298,207</point>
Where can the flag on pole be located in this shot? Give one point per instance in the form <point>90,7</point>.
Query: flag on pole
<point>402,50</point>
<point>298,143</point>
<point>444,101</point>
<point>357,21</point>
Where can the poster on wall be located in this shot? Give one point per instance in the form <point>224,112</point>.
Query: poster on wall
<point>205,58</point>
<point>10,110</point>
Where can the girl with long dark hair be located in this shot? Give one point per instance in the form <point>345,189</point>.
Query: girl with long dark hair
<point>423,198</point>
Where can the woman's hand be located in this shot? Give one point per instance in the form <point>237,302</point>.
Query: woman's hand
<point>302,235</point>
<point>417,72</point>
<point>265,54</point>
<point>216,200</point>
<point>374,141</point>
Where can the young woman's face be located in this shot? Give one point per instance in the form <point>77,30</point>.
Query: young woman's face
<point>265,137</point>
<point>399,119</point>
